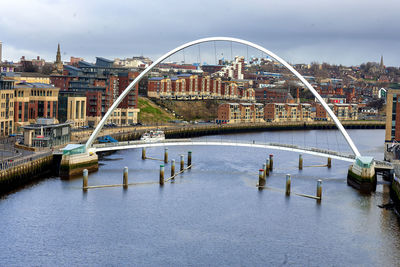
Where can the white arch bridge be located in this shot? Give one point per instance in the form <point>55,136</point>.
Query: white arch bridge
<point>96,131</point>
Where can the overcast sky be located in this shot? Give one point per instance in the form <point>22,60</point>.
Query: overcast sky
<point>347,32</point>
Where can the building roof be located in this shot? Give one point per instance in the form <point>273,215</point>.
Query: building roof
<point>104,59</point>
<point>39,126</point>
<point>33,85</point>
<point>72,68</point>
<point>156,78</point>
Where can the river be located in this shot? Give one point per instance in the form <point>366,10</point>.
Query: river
<point>213,214</point>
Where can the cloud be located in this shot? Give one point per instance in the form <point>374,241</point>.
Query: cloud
<point>347,32</point>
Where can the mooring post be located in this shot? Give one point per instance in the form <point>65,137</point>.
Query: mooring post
<point>161,174</point>
<point>143,153</point>
<point>182,162</point>
<point>125,178</point>
<point>300,161</point>
<point>267,168</point>
<point>166,155</point>
<point>319,190</point>
<point>271,162</point>
<point>85,179</point>
<point>261,180</point>
<point>189,158</point>
<point>329,163</point>
<point>288,181</point>
<point>172,168</point>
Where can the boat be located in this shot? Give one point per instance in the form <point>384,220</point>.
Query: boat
<point>153,136</point>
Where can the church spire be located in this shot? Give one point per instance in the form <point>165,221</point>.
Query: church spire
<point>381,65</point>
<point>58,57</point>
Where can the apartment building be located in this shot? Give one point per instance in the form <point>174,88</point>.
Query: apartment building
<point>278,112</point>
<point>240,113</point>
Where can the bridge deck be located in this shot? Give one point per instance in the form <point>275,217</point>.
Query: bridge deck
<point>186,142</point>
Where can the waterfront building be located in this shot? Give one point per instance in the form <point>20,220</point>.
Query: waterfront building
<point>279,112</point>
<point>240,113</point>
<point>124,117</point>
<point>342,112</point>
<point>6,106</point>
<point>46,133</point>
<point>72,108</point>
<point>35,100</point>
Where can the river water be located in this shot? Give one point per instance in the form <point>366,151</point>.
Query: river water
<point>211,215</point>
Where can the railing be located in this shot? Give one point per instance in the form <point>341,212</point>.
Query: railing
<point>10,164</point>
<point>190,141</point>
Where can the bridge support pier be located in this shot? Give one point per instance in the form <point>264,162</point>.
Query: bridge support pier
<point>329,164</point>
<point>362,175</point>
<point>73,165</point>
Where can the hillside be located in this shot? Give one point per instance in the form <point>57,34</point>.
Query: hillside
<point>151,113</point>
<point>192,110</point>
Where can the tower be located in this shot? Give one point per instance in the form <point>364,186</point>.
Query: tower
<point>381,65</point>
<point>58,64</point>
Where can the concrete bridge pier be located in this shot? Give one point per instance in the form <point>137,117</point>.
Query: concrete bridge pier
<point>73,163</point>
<point>362,175</point>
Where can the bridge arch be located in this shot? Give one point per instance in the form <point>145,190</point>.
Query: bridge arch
<point>228,39</point>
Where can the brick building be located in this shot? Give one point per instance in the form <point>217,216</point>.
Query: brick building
<point>240,113</point>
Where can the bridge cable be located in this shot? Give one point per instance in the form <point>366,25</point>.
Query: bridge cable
<point>231,53</point>
<point>199,56</point>
<point>215,53</point>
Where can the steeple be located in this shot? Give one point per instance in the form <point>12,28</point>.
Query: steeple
<point>381,65</point>
<point>58,65</point>
<point>58,57</point>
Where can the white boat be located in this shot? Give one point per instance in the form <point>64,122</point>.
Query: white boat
<point>153,136</point>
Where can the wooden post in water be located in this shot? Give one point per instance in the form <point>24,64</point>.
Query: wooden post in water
<point>182,163</point>
<point>143,153</point>
<point>189,158</point>
<point>125,178</point>
<point>300,162</point>
<point>267,168</point>
<point>85,179</point>
<point>166,155</point>
<point>261,179</point>
<point>329,163</point>
<point>319,189</point>
<point>288,182</point>
<point>172,168</point>
<point>271,162</point>
<point>161,174</point>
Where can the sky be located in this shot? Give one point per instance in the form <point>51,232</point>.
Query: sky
<point>347,32</point>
